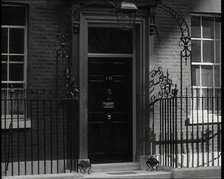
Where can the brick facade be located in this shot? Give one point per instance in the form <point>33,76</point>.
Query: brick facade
<point>43,22</point>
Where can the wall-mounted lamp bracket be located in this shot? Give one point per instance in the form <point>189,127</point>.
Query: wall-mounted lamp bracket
<point>126,14</point>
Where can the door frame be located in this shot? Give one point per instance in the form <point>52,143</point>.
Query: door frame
<point>140,67</point>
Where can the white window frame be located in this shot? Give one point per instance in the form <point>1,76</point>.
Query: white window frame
<point>200,116</point>
<point>21,120</point>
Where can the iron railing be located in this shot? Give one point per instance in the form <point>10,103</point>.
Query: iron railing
<point>186,131</point>
<point>39,133</point>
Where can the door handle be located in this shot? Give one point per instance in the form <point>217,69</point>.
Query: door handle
<point>108,117</point>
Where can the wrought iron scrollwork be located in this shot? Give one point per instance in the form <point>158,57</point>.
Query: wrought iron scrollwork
<point>71,90</point>
<point>84,166</point>
<point>185,44</point>
<point>64,53</point>
<point>160,85</point>
<point>185,39</point>
<point>152,163</point>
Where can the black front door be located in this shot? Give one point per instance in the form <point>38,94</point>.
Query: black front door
<point>109,95</point>
<point>110,109</point>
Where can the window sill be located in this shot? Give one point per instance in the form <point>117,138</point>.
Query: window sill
<point>21,124</point>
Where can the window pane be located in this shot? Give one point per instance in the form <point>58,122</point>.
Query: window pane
<point>217,76</point>
<point>4,72</point>
<point>195,75</point>
<point>16,41</point>
<point>109,40</point>
<point>218,92</point>
<point>4,40</point>
<point>13,15</point>
<point>196,94</point>
<point>195,27</point>
<point>4,58</point>
<point>207,92</point>
<point>218,28</point>
<point>3,102</point>
<point>196,51</point>
<point>208,27</point>
<point>218,51</point>
<point>207,102</point>
<point>4,86</point>
<point>208,51</point>
<point>18,85</point>
<point>207,76</point>
<point>218,100</point>
<point>15,58</point>
<point>17,105</point>
<point>16,72</point>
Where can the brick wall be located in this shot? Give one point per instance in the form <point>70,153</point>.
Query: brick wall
<point>43,28</point>
<point>43,22</point>
<point>166,48</point>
